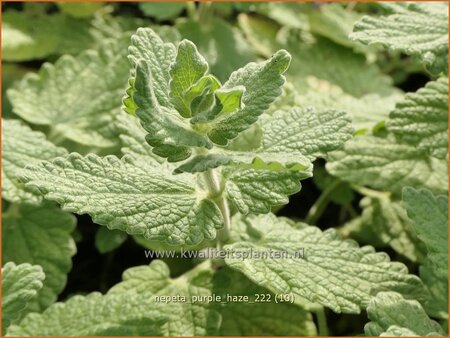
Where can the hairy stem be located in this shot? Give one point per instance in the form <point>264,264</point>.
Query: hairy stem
<point>224,233</point>
<point>319,206</point>
<point>215,190</point>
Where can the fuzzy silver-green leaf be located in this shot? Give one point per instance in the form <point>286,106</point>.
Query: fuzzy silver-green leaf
<point>22,146</point>
<point>40,235</point>
<point>421,118</point>
<point>414,28</point>
<point>390,312</point>
<point>20,285</point>
<point>429,215</point>
<point>128,197</point>
<point>332,272</point>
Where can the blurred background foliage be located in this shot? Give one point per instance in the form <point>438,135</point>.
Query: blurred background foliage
<point>328,71</point>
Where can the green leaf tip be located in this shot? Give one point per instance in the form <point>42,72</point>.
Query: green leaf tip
<point>20,285</point>
<point>392,315</point>
<point>429,215</point>
<point>182,107</point>
<point>413,28</point>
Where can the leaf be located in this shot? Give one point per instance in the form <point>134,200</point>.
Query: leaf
<point>11,73</point>
<point>20,43</point>
<point>22,146</point>
<point>257,189</point>
<point>229,100</point>
<point>237,104</point>
<point>384,164</point>
<point>26,36</point>
<point>169,134</point>
<point>288,14</point>
<point>73,96</point>
<point>357,229</point>
<point>222,45</point>
<point>81,33</point>
<point>329,61</point>
<point>311,133</point>
<point>257,180</point>
<point>201,99</point>
<point>334,22</point>
<point>80,10</point>
<point>147,45</point>
<point>262,84</point>
<point>188,68</point>
<point>388,163</point>
<point>162,10</point>
<point>40,235</point>
<point>110,27</point>
<point>226,8</point>
<point>319,75</point>
<point>183,264</point>
<point>132,137</point>
<point>322,59</point>
<point>390,312</point>
<point>365,111</point>
<point>248,140</point>
<point>331,21</point>
<point>95,315</point>
<point>415,29</point>
<point>20,285</point>
<point>149,97</point>
<point>125,196</point>
<point>388,221</point>
<point>260,31</point>
<point>185,316</point>
<point>429,215</point>
<point>108,240</point>
<point>258,319</point>
<point>437,284</point>
<point>332,272</point>
<point>202,163</point>
<point>397,331</point>
<point>421,119</point>
<point>261,159</point>
<point>202,317</point>
<point>288,138</point>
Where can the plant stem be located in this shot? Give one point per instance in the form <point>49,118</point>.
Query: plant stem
<point>322,322</point>
<point>319,206</point>
<point>104,276</point>
<point>213,183</point>
<point>224,233</point>
<point>372,193</point>
<point>215,192</point>
<point>191,10</point>
<point>351,211</point>
<point>205,12</point>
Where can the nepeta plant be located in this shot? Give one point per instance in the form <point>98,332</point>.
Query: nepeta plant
<point>204,164</point>
<point>186,114</point>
